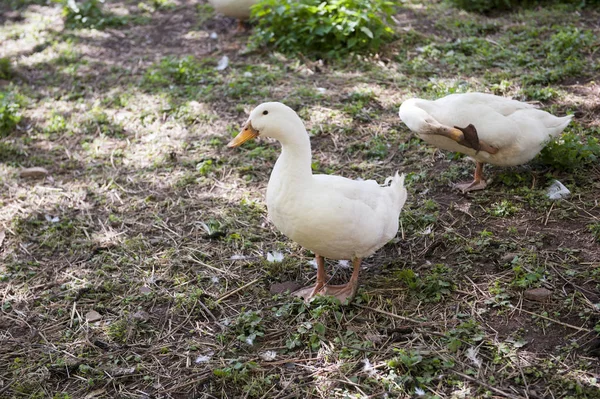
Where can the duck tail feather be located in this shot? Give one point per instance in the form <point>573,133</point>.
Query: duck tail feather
<point>397,185</point>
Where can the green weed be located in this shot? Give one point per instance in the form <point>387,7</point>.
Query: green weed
<point>573,150</point>
<point>539,93</point>
<point>415,369</point>
<point>9,112</point>
<point>322,29</point>
<point>430,288</point>
<point>311,321</point>
<point>6,69</point>
<point>595,230</point>
<point>527,273</point>
<point>88,14</point>
<point>56,124</point>
<point>188,73</point>
<point>248,326</point>
<point>468,332</point>
<point>503,208</point>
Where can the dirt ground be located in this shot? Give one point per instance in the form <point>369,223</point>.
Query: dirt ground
<point>141,265</point>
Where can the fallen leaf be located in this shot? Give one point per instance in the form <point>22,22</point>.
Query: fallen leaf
<point>537,294</point>
<point>92,316</point>
<point>280,288</point>
<point>140,315</point>
<point>509,257</point>
<point>375,338</point>
<point>464,207</point>
<point>34,173</point>
<point>2,236</point>
<point>145,290</point>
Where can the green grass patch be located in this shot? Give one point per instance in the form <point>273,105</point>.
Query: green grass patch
<point>10,115</point>
<point>576,149</point>
<point>89,14</point>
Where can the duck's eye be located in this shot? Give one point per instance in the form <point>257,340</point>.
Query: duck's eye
<point>265,112</point>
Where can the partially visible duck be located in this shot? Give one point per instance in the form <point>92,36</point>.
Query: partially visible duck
<point>490,129</point>
<point>238,9</point>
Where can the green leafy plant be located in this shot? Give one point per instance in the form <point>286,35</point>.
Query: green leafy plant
<point>323,28</point>
<point>6,71</point>
<point>595,230</point>
<point>469,332</point>
<point>430,288</point>
<point>88,14</point>
<point>414,368</point>
<point>503,208</point>
<point>311,321</point>
<point>573,150</point>
<point>248,326</point>
<point>9,112</point>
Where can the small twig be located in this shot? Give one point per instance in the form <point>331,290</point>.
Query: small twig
<point>485,385</point>
<point>207,310</point>
<point>5,388</point>
<point>238,290</point>
<point>202,378</point>
<point>284,361</point>
<point>396,316</point>
<point>212,267</point>
<point>548,214</point>
<point>555,321</point>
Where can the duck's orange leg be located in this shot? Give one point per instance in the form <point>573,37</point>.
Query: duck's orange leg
<point>478,182</point>
<point>347,291</point>
<point>310,292</point>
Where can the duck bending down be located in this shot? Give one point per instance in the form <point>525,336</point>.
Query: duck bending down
<point>332,216</point>
<point>490,129</point>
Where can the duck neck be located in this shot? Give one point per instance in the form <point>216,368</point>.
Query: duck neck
<point>294,163</point>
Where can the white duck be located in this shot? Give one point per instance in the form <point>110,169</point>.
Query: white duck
<point>332,216</point>
<point>238,9</point>
<point>494,130</point>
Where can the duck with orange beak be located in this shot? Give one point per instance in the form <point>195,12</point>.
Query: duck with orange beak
<point>334,217</point>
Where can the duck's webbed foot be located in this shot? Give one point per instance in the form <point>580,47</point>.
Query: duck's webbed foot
<point>344,292</point>
<point>478,182</point>
<point>473,186</point>
<point>241,27</point>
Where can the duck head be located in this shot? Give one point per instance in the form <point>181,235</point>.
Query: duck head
<point>272,119</point>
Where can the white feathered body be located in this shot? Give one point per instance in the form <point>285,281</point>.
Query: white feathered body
<point>239,9</point>
<point>333,216</point>
<point>518,130</point>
